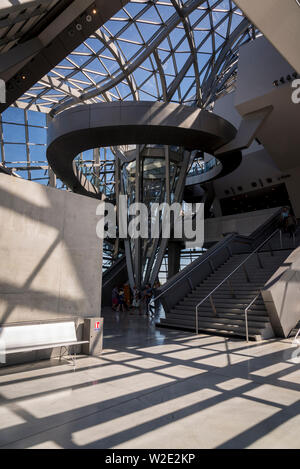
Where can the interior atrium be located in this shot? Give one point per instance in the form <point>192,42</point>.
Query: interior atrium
<point>150,240</point>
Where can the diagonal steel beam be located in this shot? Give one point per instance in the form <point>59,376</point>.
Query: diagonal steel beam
<point>164,31</point>
<point>207,85</point>
<point>59,39</point>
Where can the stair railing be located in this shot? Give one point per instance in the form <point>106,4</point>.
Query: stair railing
<point>246,314</point>
<point>186,280</point>
<point>223,244</point>
<point>227,279</point>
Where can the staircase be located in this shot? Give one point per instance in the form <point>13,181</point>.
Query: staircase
<point>231,300</point>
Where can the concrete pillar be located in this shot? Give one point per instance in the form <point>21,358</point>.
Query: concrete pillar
<point>93,331</point>
<point>52,178</point>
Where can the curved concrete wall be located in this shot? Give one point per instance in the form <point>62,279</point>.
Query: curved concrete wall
<point>124,123</point>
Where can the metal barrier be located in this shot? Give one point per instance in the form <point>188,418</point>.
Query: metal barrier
<point>227,280</point>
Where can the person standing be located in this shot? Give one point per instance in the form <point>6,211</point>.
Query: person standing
<point>291,225</point>
<point>155,293</point>
<point>283,218</point>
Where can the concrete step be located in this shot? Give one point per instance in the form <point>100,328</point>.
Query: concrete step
<point>225,286</point>
<point>228,300</point>
<point>218,324</point>
<point>245,297</point>
<point>217,332</point>
<point>230,320</point>
<point>241,277</point>
<point>248,292</point>
<point>227,321</point>
<point>234,286</point>
<point>207,307</point>
<point>222,305</point>
<point>218,301</point>
<point>238,281</point>
<point>214,328</point>
<point>252,317</point>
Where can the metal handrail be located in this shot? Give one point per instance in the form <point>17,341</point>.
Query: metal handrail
<point>186,275</point>
<point>224,242</point>
<point>246,314</point>
<point>226,279</point>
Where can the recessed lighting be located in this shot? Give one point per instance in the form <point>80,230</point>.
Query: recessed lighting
<point>94,11</point>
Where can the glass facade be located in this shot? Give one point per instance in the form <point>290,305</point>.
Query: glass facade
<point>181,51</point>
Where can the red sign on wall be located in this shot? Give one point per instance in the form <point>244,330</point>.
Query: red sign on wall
<point>97,325</point>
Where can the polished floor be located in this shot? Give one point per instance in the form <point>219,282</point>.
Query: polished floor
<point>156,388</point>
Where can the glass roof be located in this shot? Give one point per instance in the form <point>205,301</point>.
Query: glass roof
<point>161,50</point>
<point>165,50</point>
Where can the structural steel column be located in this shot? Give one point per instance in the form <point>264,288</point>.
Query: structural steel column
<point>174,249</point>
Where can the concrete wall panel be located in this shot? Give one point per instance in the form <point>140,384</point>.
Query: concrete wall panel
<point>282,295</point>
<point>50,255</point>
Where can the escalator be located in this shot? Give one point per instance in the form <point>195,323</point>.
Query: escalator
<point>113,276</point>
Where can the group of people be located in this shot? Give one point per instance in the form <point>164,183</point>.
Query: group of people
<point>124,299</point>
<point>288,223</point>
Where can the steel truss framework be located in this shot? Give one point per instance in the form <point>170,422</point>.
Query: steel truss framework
<point>161,50</point>
<point>165,50</point>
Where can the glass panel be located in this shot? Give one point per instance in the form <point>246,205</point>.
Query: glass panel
<point>14,115</point>
<point>36,118</point>
<point>37,135</point>
<point>14,133</point>
<point>37,153</point>
<point>15,153</point>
